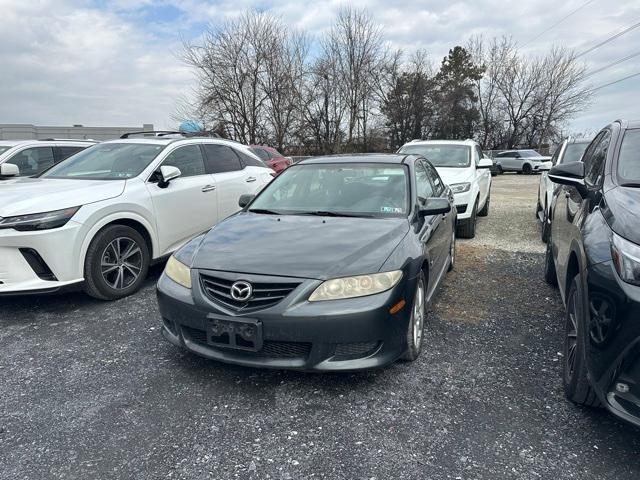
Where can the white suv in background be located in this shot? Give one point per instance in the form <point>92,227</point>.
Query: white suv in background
<point>463,167</point>
<point>101,217</point>
<point>25,158</point>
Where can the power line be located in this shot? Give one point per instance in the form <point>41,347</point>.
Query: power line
<point>558,22</point>
<point>617,62</point>
<point>610,39</point>
<point>616,81</point>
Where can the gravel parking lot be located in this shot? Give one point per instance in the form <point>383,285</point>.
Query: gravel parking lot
<point>90,390</point>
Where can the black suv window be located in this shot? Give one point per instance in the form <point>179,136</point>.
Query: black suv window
<point>33,161</point>
<point>628,164</point>
<point>423,185</point>
<point>188,159</point>
<point>595,157</point>
<point>221,158</point>
<point>438,185</point>
<point>66,152</point>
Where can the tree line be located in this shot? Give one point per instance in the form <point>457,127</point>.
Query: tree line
<point>260,82</point>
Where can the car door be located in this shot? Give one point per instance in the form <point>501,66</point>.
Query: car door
<point>509,161</point>
<point>188,205</point>
<point>483,177</point>
<point>434,233</point>
<point>33,160</point>
<point>231,177</point>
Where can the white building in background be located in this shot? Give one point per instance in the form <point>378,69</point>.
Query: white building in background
<point>23,131</point>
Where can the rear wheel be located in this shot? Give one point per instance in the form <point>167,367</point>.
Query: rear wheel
<point>485,209</point>
<point>452,252</point>
<point>467,228</point>
<point>415,328</point>
<point>574,368</point>
<point>116,264</point>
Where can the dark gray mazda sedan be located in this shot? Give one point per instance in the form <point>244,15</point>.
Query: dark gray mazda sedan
<point>331,267</point>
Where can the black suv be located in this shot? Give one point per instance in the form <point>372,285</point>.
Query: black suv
<point>594,258</point>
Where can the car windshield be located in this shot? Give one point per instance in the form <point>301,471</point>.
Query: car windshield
<point>342,189</point>
<point>442,155</point>
<point>4,148</point>
<point>107,161</point>
<point>573,152</point>
<point>528,153</point>
<point>629,160</point>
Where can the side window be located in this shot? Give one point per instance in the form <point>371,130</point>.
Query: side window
<point>424,189</point>
<point>188,159</point>
<point>66,152</point>
<point>438,184</point>
<point>263,154</point>
<point>478,154</point>
<point>33,161</point>
<point>556,154</point>
<point>221,158</point>
<point>597,156</point>
<point>249,161</point>
<point>515,155</point>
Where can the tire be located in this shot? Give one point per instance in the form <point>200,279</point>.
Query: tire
<point>415,331</point>
<point>116,264</point>
<point>485,209</point>
<point>500,170</point>
<point>467,228</point>
<point>526,169</point>
<point>546,226</point>
<point>452,252</point>
<point>574,366</point>
<point>549,267</point>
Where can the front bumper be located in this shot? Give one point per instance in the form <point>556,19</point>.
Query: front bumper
<point>339,335</point>
<point>541,166</point>
<point>41,261</point>
<point>613,344</point>
<point>464,204</point>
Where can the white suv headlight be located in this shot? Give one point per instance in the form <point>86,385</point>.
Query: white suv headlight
<point>460,187</point>
<point>626,258</point>
<point>39,221</point>
<point>360,286</point>
<point>178,272</point>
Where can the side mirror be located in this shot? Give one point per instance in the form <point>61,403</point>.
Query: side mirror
<point>245,200</point>
<point>9,170</point>
<point>485,163</point>
<point>165,174</point>
<point>434,206</point>
<point>571,174</point>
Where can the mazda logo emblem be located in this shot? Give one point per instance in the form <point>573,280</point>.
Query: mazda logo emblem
<point>241,291</point>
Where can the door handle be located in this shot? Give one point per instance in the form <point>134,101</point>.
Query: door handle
<point>208,188</point>
<point>250,179</point>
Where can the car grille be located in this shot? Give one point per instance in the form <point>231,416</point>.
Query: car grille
<point>265,294</point>
<point>270,349</point>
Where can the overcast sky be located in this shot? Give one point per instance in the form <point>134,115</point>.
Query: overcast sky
<point>115,62</point>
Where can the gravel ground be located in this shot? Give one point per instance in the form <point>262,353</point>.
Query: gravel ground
<point>90,390</point>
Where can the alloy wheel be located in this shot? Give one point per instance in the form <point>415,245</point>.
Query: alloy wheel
<point>571,339</point>
<point>418,315</point>
<point>121,263</point>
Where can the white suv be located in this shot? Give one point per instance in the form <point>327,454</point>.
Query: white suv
<point>463,167</point>
<point>26,158</point>
<point>102,216</point>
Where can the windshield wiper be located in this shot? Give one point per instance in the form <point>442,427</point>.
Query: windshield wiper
<point>328,213</point>
<point>631,184</point>
<point>264,210</point>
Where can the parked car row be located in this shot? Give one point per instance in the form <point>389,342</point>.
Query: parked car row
<point>591,222</point>
<point>32,157</point>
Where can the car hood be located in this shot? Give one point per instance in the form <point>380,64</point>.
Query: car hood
<point>622,211</point>
<point>455,175</point>
<point>36,195</point>
<point>299,246</point>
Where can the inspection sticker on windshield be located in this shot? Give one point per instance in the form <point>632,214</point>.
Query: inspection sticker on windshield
<point>390,210</point>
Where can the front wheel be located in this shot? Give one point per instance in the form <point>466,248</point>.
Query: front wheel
<point>467,228</point>
<point>574,368</point>
<point>485,209</point>
<point>415,329</point>
<point>550,267</point>
<point>526,169</point>
<point>452,252</point>
<point>116,264</point>
<point>546,225</point>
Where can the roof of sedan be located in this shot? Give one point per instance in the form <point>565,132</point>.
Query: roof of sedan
<point>358,158</point>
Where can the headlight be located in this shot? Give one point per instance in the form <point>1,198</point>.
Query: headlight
<point>626,258</point>
<point>39,221</point>
<point>360,286</point>
<point>178,272</point>
<point>460,187</point>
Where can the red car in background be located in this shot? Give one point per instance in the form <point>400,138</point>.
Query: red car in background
<point>271,157</point>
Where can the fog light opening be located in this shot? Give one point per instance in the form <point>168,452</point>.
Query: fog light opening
<point>397,307</point>
<point>622,387</point>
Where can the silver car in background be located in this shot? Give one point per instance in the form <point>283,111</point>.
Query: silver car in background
<point>522,161</point>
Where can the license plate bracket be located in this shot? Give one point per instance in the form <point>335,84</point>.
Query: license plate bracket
<point>237,333</point>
